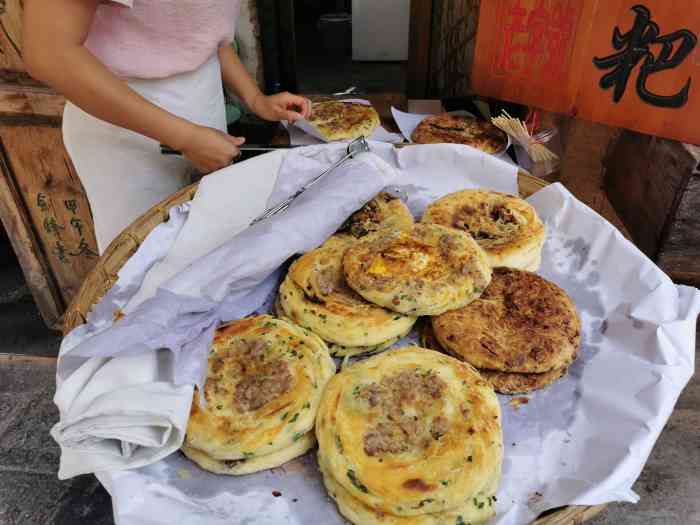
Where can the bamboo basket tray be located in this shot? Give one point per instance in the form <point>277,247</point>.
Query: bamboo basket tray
<point>104,275</point>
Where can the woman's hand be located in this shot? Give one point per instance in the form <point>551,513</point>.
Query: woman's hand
<point>210,149</point>
<point>282,106</point>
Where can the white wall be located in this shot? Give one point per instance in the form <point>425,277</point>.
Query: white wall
<point>380,29</point>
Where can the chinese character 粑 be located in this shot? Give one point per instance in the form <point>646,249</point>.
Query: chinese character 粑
<point>61,252</point>
<point>52,227</point>
<point>71,205</point>
<point>77,225</point>
<point>633,47</point>
<point>536,39</point>
<point>84,249</point>
<point>41,202</point>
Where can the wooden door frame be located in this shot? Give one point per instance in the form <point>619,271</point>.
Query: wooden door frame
<point>419,48</point>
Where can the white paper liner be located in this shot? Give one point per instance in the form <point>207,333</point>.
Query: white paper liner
<point>583,440</point>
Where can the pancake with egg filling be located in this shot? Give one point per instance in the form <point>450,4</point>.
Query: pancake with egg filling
<point>237,467</point>
<point>478,508</point>
<point>410,432</point>
<point>521,323</point>
<point>502,382</point>
<point>336,120</point>
<point>383,211</point>
<point>505,226</point>
<point>264,382</point>
<point>315,295</point>
<point>426,270</point>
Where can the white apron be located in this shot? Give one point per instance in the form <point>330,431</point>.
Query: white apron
<point>123,173</point>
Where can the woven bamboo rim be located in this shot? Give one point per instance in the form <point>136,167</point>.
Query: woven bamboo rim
<point>104,275</point>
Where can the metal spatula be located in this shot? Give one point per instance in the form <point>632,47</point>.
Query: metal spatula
<point>356,147</point>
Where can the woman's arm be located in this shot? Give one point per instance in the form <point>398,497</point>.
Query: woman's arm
<point>54,33</point>
<point>282,106</point>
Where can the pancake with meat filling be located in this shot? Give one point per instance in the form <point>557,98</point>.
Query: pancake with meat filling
<point>409,433</point>
<point>458,129</point>
<point>502,382</point>
<point>522,323</point>
<point>383,211</point>
<point>315,295</point>
<point>425,270</point>
<point>505,226</point>
<point>337,120</point>
<point>264,382</point>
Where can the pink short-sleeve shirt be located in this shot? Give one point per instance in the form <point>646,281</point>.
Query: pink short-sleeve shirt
<point>160,38</point>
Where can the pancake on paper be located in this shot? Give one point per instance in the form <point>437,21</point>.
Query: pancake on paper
<point>264,382</point>
<point>505,226</point>
<point>410,433</point>
<point>502,382</point>
<point>425,270</point>
<point>337,120</point>
<point>315,295</point>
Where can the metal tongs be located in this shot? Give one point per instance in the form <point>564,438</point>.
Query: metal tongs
<point>357,146</point>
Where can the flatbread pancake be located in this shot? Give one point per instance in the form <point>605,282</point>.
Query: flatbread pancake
<point>502,382</point>
<point>478,509</point>
<point>425,270</point>
<point>410,432</point>
<point>337,120</point>
<point>455,129</point>
<point>505,226</point>
<point>315,295</point>
<point>264,382</point>
<point>521,323</point>
<point>383,211</point>
<point>238,467</point>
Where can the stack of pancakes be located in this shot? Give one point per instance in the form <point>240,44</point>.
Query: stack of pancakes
<point>522,333</point>
<point>315,293</point>
<point>264,383</point>
<point>505,226</point>
<point>410,436</point>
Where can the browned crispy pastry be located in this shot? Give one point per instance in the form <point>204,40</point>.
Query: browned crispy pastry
<point>521,323</point>
<point>455,129</point>
<point>337,120</point>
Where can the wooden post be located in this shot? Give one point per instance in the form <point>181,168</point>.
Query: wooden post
<point>43,206</point>
<point>654,184</point>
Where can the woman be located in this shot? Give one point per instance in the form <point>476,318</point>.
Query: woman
<point>137,74</point>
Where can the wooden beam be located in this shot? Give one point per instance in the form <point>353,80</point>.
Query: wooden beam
<point>419,48</point>
<point>26,246</point>
<point>35,105</point>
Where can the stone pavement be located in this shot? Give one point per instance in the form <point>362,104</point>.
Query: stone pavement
<point>30,493</point>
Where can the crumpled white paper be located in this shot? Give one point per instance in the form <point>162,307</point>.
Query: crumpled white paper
<point>303,133</point>
<point>583,440</point>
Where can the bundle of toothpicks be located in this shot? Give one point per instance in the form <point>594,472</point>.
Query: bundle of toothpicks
<point>517,130</point>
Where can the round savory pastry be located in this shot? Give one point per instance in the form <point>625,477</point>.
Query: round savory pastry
<point>264,382</point>
<point>237,467</point>
<point>315,295</point>
<point>510,383</point>
<point>456,129</point>
<point>505,226</point>
<point>336,120</point>
<point>383,211</point>
<point>521,323</point>
<point>425,270</point>
<point>410,432</point>
<point>477,509</point>
<point>502,382</point>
